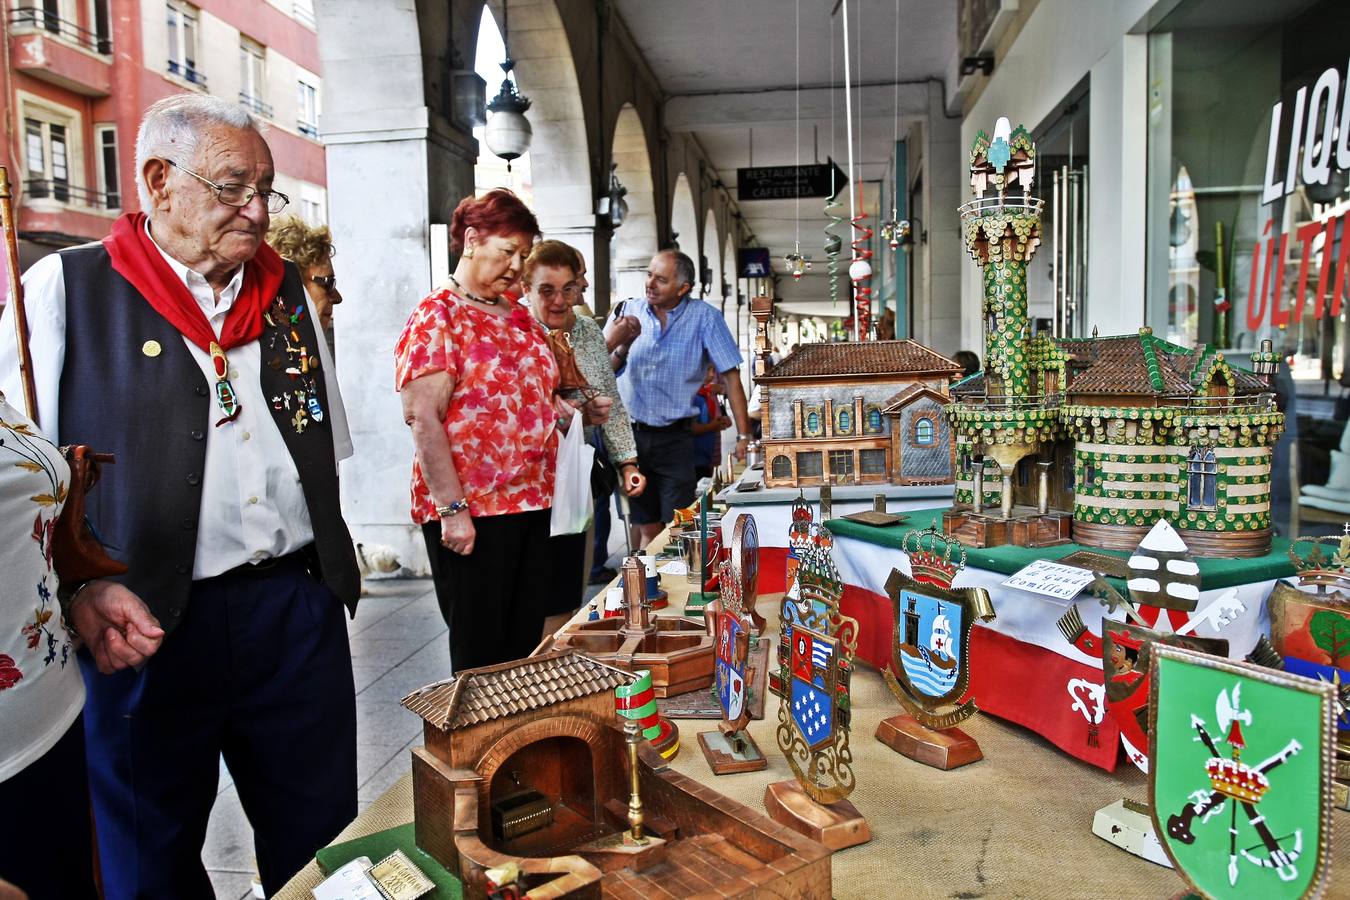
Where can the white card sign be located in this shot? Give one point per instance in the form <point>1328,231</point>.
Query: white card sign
<point>1051,579</point>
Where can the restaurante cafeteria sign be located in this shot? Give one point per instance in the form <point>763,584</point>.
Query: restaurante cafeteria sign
<point>1317,145</point>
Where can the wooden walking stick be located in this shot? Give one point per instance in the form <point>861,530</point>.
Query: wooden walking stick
<point>16,295</point>
<point>77,554</point>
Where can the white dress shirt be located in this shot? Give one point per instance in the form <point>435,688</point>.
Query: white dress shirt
<point>253,506</point>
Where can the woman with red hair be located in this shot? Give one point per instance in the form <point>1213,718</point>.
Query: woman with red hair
<point>477,381</point>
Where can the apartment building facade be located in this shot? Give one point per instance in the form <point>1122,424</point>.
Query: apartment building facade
<point>79,73</point>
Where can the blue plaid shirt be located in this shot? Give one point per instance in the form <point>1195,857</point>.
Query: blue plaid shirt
<point>666,366</point>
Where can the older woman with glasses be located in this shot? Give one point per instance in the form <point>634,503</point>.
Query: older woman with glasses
<point>552,283</point>
<point>310,247</point>
<point>478,383</point>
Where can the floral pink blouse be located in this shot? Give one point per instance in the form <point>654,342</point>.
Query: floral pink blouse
<point>501,421</point>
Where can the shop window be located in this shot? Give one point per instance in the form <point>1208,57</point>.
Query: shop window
<point>843,422</point>
<point>841,462</point>
<point>1068,476</point>
<point>105,139</point>
<point>809,465</point>
<point>184,20</point>
<point>925,433</point>
<point>1089,474</point>
<point>1203,479</point>
<point>1024,471</point>
<point>253,77</point>
<point>872,462</point>
<point>874,420</point>
<point>782,467</point>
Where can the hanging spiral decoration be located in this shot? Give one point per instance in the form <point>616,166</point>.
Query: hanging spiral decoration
<point>832,244</point>
<point>860,271</point>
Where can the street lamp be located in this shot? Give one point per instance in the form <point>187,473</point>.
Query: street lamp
<point>508,132</point>
<point>612,203</point>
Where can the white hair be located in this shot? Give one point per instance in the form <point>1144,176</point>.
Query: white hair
<point>170,128</point>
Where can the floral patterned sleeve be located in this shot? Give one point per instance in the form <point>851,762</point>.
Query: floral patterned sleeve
<point>426,344</point>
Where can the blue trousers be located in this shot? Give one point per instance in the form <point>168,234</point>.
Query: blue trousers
<point>259,670</point>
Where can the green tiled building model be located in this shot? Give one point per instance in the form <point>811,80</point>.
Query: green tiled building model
<point>1096,439</point>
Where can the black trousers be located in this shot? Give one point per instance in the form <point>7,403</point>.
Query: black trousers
<point>495,600</point>
<point>666,458</point>
<point>260,671</point>
<point>46,849</point>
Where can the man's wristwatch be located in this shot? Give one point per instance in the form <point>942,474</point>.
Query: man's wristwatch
<point>454,507</point>
<point>744,437</point>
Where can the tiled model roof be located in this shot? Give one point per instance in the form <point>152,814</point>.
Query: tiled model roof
<point>900,399</point>
<point>1144,364</point>
<point>481,695</point>
<point>903,357</point>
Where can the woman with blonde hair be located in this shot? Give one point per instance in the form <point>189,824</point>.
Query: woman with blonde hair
<point>310,247</point>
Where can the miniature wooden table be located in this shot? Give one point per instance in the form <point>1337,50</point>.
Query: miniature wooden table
<point>1017,823</point>
<point>1022,668</point>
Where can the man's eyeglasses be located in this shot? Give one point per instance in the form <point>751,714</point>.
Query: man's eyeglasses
<point>238,195</point>
<point>547,292</point>
<point>327,282</point>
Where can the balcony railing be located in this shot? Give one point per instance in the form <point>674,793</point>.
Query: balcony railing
<point>1217,406</point>
<point>187,73</point>
<point>27,17</point>
<point>255,104</point>
<point>1012,404</point>
<point>308,128</point>
<point>69,194</point>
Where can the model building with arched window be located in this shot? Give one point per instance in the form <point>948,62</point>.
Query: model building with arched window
<point>867,412</point>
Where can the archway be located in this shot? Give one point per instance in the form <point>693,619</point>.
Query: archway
<point>684,220</point>
<point>563,196</point>
<point>710,260</point>
<point>634,242</point>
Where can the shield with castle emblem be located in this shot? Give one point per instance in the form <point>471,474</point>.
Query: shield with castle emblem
<point>1241,776</point>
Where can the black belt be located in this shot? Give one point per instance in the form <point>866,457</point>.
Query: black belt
<point>306,557</point>
<point>678,425</point>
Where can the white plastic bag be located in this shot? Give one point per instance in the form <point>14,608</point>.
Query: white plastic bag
<point>573,506</point>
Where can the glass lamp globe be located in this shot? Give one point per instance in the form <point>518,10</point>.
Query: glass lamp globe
<point>508,134</point>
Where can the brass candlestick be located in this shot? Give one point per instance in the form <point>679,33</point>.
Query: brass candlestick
<point>635,817</point>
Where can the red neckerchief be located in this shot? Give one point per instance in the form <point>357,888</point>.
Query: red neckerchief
<point>136,258</point>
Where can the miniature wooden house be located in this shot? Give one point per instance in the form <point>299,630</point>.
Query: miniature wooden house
<point>1096,438</point>
<point>524,763</point>
<point>866,412</point>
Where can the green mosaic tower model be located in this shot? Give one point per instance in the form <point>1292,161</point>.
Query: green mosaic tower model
<point>1094,439</point>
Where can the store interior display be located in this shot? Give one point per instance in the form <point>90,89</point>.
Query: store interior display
<point>930,653</point>
<point>815,663</point>
<point>527,780</point>
<point>1095,439</point>
<point>1241,781</point>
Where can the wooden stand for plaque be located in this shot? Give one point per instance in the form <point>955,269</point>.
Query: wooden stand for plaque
<point>949,748</point>
<point>730,752</point>
<point>837,825</point>
<point>1129,826</point>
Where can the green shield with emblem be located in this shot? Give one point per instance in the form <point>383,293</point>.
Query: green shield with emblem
<point>1241,775</point>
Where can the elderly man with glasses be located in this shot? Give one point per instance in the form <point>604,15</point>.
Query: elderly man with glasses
<point>183,344</point>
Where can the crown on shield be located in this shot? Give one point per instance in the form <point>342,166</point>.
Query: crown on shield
<point>1323,561</point>
<point>930,555</point>
<point>1126,640</point>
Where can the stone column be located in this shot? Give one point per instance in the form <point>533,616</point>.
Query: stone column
<point>978,503</point>
<point>1043,489</point>
<point>395,165</point>
<point>1007,492</point>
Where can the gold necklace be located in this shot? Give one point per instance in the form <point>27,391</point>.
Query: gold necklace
<point>474,297</point>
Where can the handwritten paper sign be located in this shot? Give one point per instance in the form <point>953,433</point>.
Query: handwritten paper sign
<point>1050,579</point>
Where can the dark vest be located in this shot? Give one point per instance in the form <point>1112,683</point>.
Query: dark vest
<point>154,413</point>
